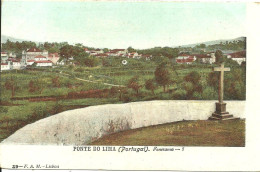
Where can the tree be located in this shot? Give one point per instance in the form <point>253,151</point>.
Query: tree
<point>31,86</point>
<point>69,51</point>
<point>235,84</point>
<point>91,61</point>
<point>105,50</point>
<point>201,46</point>
<point>54,50</point>
<point>162,76</point>
<point>47,45</point>
<point>192,84</point>
<point>37,85</point>
<point>56,81</point>
<point>149,85</point>
<point>133,83</point>
<point>114,91</point>
<point>79,45</point>
<point>10,84</point>
<point>219,56</point>
<point>81,57</point>
<point>66,51</point>
<point>130,49</point>
<point>212,79</point>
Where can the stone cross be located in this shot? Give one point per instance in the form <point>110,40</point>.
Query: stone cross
<point>221,69</point>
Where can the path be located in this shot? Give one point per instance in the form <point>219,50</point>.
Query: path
<point>86,80</point>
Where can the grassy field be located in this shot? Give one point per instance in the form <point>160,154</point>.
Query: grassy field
<point>53,86</point>
<point>184,133</point>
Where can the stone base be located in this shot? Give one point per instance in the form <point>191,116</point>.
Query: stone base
<point>223,116</point>
<point>220,113</point>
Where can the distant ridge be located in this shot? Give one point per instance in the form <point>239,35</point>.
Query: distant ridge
<point>4,38</point>
<point>242,38</point>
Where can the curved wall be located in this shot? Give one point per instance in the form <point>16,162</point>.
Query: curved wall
<point>82,126</point>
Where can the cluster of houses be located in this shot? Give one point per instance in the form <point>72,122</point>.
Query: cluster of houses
<point>117,53</point>
<point>210,58</point>
<point>30,57</point>
<point>38,58</point>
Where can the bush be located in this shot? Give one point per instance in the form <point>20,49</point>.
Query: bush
<point>114,91</point>
<point>179,94</point>
<point>150,85</point>
<point>79,69</point>
<point>92,61</point>
<point>197,96</point>
<point>209,93</point>
<point>3,109</point>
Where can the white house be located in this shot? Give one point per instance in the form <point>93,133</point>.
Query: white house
<point>133,55</point>
<point>60,62</point>
<point>4,56</point>
<point>5,66</point>
<point>239,57</point>
<point>118,52</point>
<point>12,55</point>
<point>15,63</point>
<point>31,53</point>
<point>54,57</point>
<point>94,52</point>
<point>208,58</point>
<point>147,56</point>
<point>87,50</point>
<point>185,59</point>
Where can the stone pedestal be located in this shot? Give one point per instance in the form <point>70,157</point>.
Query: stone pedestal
<point>221,113</point>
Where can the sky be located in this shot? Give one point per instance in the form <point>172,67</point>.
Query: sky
<point>123,24</point>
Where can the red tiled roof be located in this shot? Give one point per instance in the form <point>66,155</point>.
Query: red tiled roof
<point>240,54</point>
<point>103,55</point>
<point>116,50</point>
<point>44,61</point>
<point>30,60</point>
<point>34,49</point>
<point>40,56</point>
<point>4,64</point>
<point>15,60</point>
<point>3,52</point>
<point>184,60</point>
<point>183,54</point>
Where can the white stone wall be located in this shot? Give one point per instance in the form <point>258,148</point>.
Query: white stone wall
<point>82,126</point>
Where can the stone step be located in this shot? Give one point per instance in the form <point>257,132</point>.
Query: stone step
<point>222,116</point>
<point>225,116</point>
<point>215,118</point>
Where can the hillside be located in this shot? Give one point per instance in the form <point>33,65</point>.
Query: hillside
<point>4,38</point>
<point>207,43</point>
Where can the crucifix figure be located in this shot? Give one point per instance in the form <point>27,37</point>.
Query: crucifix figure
<point>220,113</point>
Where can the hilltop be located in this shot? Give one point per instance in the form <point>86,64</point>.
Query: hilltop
<point>207,43</point>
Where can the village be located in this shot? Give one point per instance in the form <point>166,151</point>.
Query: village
<point>34,57</point>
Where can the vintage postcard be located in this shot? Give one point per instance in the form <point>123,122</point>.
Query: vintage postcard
<point>97,84</point>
